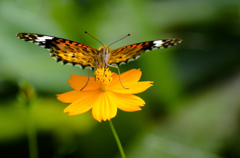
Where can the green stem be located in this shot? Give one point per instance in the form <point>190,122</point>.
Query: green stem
<point>31,133</point>
<point>117,139</point>
<point>26,96</point>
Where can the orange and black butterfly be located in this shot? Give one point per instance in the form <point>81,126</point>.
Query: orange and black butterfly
<point>77,54</point>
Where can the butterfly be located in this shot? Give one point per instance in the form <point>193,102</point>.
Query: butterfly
<point>84,56</point>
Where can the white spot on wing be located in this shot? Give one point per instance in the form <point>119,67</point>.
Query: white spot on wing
<point>69,64</point>
<point>130,60</point>
<point>55,58</point>
<point>158,43</point>
<point>61,62</point>
<point>87,67</point>
<point>44,38</point>
<point>78,66</point>
<point>114,64</point>
<point>122,63</point>
<point>137,57</point>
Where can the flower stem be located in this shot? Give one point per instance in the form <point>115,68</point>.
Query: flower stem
<point>117,139</point>
<point>26,97</point>
<point>32,138</point>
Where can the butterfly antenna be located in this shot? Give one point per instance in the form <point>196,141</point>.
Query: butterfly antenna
<point>93,37</point>
<point>119,39</point>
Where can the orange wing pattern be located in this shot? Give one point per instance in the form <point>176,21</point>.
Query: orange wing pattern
<point>63,50</point>
<point>70,52</point>
<point>128,53</point>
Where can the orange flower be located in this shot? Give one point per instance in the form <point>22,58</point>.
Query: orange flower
<point>104,93</point>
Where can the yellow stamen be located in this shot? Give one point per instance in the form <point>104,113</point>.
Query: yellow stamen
<point>103,77</point>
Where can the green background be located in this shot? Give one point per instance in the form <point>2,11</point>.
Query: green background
<point>192,111</point>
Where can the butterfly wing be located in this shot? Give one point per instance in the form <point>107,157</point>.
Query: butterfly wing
<point>128,53</point>
<point>63,50</point>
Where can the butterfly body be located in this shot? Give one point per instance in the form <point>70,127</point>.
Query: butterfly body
<point>77,54</point>
<point>103,57</point>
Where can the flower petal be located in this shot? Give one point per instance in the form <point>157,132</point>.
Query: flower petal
<point>127,102</point>
<point>132,88</point>
<point>132,75</point>
<point>105,101</point>
<point>105,108</point>
<point>77,82</point>
<point>83,104</point>
<point>69,97</point>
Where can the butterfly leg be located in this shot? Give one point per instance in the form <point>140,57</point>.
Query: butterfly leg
<point>87,80</point>
<point>118,74</point>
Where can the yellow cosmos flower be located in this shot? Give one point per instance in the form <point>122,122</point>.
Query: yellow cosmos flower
<point>104,94</point>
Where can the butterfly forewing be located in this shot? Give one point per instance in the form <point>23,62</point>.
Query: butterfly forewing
<point>74,53</point>
<point>128,53</point>
<point>63,50</point>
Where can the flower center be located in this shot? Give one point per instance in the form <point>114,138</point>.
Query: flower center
<point>103,77</point>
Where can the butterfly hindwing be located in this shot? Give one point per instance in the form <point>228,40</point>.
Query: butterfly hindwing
<point>128,53</point>
<point>63,50</point>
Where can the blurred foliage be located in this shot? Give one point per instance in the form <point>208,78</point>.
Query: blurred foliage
<point>191,111</point>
